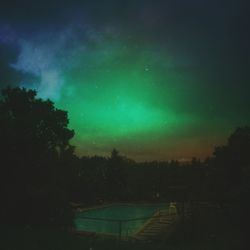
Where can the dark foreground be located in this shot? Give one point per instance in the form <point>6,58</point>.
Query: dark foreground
<point>210,229</point>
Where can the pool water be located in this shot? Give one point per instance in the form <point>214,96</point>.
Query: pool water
<point>106,219</point>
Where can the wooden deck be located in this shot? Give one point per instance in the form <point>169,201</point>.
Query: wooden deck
<point>160,224</point>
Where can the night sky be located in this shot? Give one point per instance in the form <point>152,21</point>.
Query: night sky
<point>157,80</point>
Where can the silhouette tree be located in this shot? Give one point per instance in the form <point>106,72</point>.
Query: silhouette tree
<point>115,176</point>
<point>115,155</point>
<point>92,179</point>
<point>231,165</point>
<point>35,150</point>
<point>232,160</point>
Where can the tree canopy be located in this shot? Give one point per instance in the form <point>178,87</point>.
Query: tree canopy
<point>34,148</point>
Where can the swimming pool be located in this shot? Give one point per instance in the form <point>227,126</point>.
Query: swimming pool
<point>122,220</point>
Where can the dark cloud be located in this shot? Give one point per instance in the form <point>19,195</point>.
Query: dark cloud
<point>214,35</point>
<point>8,76</point>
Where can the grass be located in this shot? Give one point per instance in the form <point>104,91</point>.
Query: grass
<point>21,238</point>
<point>210,229</point>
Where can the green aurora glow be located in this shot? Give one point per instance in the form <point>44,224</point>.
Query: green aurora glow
<point>124,102</point>
<point>151,101</point>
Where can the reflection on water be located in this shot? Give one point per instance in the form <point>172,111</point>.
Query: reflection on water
<point>119,214</point>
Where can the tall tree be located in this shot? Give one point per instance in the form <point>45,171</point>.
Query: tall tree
<point>232,160</point>
<point>35,149</point>
<point>116,180</point>
<point>231,164</point>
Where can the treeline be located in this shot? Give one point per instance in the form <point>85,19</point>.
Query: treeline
<point>41,177</point>
<point>117,178</point>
